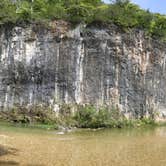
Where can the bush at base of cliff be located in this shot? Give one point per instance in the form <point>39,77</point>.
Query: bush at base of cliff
<point>36,114</point>
<point>66,114</point>
<point>89,117</point>
<point>71,115</point>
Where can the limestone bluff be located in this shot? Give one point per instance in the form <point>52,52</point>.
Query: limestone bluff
<point>98,65</point>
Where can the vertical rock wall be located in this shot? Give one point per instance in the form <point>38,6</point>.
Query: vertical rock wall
<point>100,66</point>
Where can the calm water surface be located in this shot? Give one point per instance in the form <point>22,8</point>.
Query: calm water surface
<point>114,147</point>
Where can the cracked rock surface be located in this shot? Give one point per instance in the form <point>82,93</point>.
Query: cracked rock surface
<point>101,66</point>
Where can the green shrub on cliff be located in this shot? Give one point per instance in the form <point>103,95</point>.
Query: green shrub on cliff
<point>55,11</point>
<point>79,13</point>
<point>24,11</point>
<point>124,14</point>
<point>159,27</point>
<point>7,12</point>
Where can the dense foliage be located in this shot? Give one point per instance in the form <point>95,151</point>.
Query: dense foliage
<point>69,116</point>
<point>120,12</point>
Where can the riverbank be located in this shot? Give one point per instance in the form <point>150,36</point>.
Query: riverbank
<point>70,117</point>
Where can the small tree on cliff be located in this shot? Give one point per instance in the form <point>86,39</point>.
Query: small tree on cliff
<point>7,12</point>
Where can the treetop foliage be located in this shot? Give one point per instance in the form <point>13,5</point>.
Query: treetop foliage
<point>120,12</point>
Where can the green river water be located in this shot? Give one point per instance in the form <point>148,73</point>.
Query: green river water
<point>113,147</point>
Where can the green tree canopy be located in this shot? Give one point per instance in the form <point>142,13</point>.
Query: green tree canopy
<point>120,12</point>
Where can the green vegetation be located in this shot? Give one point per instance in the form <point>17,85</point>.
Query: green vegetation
<point>71,116</point>
<point>7,12</point>
<point>120,12</point>
<point>89,117</point>
<point>36,114</point>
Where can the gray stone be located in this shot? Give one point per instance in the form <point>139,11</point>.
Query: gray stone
<point>100,66</point>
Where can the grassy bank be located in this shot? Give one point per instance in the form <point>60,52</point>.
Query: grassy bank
<point>70,116</point>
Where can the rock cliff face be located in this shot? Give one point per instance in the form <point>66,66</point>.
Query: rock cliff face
<point>100,66</point>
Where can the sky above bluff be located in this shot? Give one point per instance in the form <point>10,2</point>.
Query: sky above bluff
<point>157,6</point>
